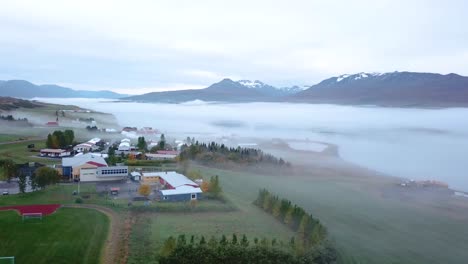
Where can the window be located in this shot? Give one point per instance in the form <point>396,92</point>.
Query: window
<point>165,198</point>
<point>194,196</point>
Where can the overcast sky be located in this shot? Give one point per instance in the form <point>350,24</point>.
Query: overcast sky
<point>142,46</point>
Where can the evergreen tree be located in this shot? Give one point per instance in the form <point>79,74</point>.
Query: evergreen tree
<point>50,142</point>
<point>202,241</point>
<point>214,187</point>
<point>181,240</point>
<point>234,239</point>
<point>22,182</point>
<point>162,142</point>
<point>69,137</point>
<point>223,241</point>
<point>142,145</point>
<point>244,241</point>
<point>213,243</point>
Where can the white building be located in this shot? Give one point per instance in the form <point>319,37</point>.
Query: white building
<point>124,145</point>
<point>115,173</point>
<point>157,156</point>
<point>91,145</point>
<point>55,153</point>
<point>176,186</point>
<point>136,176</point>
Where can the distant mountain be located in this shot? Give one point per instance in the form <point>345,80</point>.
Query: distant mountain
<point>25,89</point>
<point>389,89</point>
<point>226,90</point>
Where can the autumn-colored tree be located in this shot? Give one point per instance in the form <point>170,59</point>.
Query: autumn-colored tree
<point>276,210</point>
<point>169,246</point>
<point>9,169</point>
<point>145,190</point>
<point>205,186</point>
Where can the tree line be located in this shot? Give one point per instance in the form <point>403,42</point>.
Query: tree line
<point>11,118</point>
<point>60,139</point>
<point>213,153</point>
<point>234,250</point>
<point>41,178</point>
<point>310,233</point>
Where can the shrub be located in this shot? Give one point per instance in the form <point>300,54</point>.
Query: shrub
<point>78,200</point>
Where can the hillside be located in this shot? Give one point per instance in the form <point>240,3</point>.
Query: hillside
<point>25,89</point>
<point>389,89</point>
<point>226,90</point>
<point>9,103</point>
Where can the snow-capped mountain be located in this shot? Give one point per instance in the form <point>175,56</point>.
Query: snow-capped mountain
<point>272,90</point>
<point>391,88</point>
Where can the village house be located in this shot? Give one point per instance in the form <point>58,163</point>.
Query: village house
<point>55,153</point>
<point>124,145</point>
<point>91,145</point>
<point>174,186</point>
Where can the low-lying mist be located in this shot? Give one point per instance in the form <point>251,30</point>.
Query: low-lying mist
<point>406,142</point>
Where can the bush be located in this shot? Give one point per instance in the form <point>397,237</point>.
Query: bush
<point>78,200</point>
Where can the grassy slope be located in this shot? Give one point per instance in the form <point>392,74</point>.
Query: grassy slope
<point>20,153</point>
<point>63,237</point>
<point>365,226</point>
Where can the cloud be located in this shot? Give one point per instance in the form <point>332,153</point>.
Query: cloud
<point>158,43</point>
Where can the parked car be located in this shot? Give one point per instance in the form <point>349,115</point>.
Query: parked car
<point>5,193</point>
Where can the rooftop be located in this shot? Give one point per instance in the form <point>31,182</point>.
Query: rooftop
<point>173,178</point>
<point>53,150</point>
<point>82,159</point>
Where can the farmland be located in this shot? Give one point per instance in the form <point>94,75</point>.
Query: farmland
<point>63,237</point>
<point>355,213</point>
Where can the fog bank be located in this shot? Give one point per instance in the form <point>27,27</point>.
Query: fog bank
<point>405,142</point>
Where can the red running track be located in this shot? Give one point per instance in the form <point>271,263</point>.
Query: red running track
<point>45,209</point>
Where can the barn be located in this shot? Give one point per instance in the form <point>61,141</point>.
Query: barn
<point>177,187</point>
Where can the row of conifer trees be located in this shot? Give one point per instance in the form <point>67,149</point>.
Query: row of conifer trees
<point>236,250</point>
<point>309,231</point>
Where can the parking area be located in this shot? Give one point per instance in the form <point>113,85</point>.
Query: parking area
<point>127,189</point>
<point>11,187</point>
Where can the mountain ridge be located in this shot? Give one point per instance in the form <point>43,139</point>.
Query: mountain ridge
<point>389,89</point>
<point>26,89</point>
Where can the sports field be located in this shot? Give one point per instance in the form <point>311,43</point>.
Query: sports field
<point>67,236</point>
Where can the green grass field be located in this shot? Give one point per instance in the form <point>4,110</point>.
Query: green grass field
<point>365,227</point>
<point>152,229</point>
<point>20,153</point>
<point>61,194</point>
<point>8,137</point>
<point>67,236</point>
